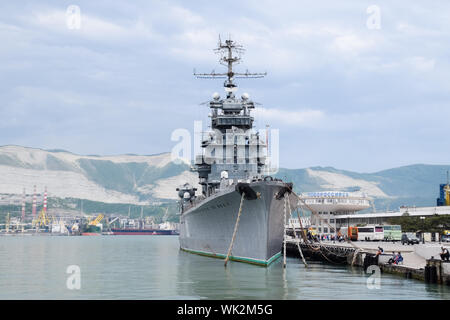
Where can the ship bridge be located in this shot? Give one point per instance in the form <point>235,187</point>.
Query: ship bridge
<point>231,112</point>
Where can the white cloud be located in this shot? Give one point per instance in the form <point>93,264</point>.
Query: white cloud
<point>306,118</point>
<point>184,16</point>
<point>129,66</point>
<point>91,26</point>
<point>410,30</point>
<point>352,43</point>
<point>421,64</point>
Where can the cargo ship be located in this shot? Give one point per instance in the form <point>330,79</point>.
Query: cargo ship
<point>91,230</point>
<point>94,227</point>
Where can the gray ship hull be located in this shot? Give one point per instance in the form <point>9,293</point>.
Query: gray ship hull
<point>207,228</point>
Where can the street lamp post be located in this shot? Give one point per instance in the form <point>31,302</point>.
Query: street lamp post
<point>423,231</point>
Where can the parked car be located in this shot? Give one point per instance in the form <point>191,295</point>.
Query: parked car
<point>410,238</point>
<point>445,238</point>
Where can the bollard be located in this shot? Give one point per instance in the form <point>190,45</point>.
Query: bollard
<point>433,274</point>
<point>433,271</point>
<point>427,274</point>
<point>369,260</point>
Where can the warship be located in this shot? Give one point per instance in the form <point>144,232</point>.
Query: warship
<point>239,212</point>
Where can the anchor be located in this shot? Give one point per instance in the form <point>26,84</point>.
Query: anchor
<point>283,190</point>
<point>249,193</point>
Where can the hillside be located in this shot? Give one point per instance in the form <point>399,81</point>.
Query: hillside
<point>409,185</point>
<point>145,180</point>
<point>110,179</point>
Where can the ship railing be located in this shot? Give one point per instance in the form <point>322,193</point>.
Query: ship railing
<point>191,203</point>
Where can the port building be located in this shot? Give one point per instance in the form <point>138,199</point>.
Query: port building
<point>330,205</point>
<point>340,209</point>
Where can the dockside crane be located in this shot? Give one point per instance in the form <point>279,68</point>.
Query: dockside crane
<point>447,192</point>
<point>166,215</point>
<point>109,223</point>
<point>444,197</point>
<point>97,220</point>
<point>43,220</point>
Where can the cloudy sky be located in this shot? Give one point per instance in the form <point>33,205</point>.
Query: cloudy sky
<point>342,94</point>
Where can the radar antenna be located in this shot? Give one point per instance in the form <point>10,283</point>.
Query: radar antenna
<point>230,53</point>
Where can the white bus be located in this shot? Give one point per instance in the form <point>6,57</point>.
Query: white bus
<point>370,233</point>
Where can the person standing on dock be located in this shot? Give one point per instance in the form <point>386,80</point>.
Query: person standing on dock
<point>445,256</point>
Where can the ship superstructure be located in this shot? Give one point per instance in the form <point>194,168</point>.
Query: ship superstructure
<point>231,169</point>
<point>231,146</point>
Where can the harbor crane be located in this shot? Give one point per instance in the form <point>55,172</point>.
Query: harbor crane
<point>166,214</point>
<point>111,222</point>
<point>97,220</point>
<point>43,219</point>
<point>447,191</point>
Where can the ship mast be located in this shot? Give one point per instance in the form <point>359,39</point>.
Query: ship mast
<point>230,53</point>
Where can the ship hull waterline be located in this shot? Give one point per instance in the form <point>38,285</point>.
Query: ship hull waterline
<point>207,228</point>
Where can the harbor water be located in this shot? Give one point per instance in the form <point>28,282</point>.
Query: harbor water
<point>153,267</point>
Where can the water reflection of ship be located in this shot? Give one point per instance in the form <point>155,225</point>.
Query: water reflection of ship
<point>199,278</point>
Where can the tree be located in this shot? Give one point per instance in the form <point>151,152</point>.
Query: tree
<point>434,223</point>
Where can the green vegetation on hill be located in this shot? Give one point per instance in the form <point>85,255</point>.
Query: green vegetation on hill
<point>419,180</point>
<point>7,160</point>
<point>127,177</point>
<point>302,181</point>
<point>114,176</point>
<point>93,207</point>
<point>53,163</point>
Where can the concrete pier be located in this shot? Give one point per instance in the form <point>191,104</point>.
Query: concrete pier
<point>421,262</point>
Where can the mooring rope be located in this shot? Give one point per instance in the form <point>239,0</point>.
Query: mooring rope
<point>301,227</point>
<point>355,254</point>
<point>303,234</point>
<point>306,241</point>
<point>320,218</point>
<point>235,229</point>
<point>295,234</point>
<point>321,246</point>
<point>284,236</point>
<point>316,248</point>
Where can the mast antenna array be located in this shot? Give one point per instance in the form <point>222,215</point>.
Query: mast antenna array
<point>230,53</point>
